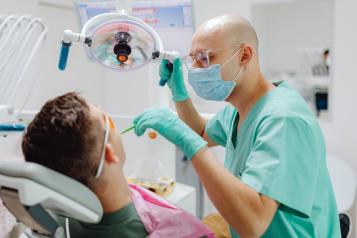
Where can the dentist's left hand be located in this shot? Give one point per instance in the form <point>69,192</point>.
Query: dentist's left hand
<point>171,127</point>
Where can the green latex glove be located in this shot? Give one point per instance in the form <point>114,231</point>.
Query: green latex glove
<point>171,127</point>
<point>175,79</point>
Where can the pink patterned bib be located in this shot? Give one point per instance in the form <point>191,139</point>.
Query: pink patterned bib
<point>162,219</point>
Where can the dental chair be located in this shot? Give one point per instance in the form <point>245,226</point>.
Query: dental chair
<point>37,196</point>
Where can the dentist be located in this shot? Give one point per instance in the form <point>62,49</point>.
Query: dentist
<point>274,182</point>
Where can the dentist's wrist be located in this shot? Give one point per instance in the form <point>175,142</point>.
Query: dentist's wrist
<point>179,93</point>
<point>192,147</point>
<point>200,154</point>
<point>180,97</point>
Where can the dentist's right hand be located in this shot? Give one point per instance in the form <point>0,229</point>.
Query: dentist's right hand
<point>175,79</point>
<point>171,127</point>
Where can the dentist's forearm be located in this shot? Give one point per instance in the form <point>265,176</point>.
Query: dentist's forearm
<point>188,113</point>
<point>249,212</point>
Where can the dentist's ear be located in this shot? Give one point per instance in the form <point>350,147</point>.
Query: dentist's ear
<point>247,55</point>
<point>110,156</point>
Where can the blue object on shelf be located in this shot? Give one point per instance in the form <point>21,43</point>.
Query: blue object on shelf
<point>321,101</point>
<point>12,127</point>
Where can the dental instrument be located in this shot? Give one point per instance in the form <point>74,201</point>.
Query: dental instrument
<point>127,129</point>
<point>152,134</point>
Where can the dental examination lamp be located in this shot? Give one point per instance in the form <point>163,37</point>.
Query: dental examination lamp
<point>118,41</point>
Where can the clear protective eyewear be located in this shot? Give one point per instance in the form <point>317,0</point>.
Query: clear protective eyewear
<point>109,124</point>
<point>202,58</point>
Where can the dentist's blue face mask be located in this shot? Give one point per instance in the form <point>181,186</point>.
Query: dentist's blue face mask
<point>208,83</point>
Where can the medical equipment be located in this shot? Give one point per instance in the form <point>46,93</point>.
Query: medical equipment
<point>117,41</point>
<point>34,194</point>
<point>127,129</point>
<point>172,19</point>
<point>152,134</point>
<point>20,39</point>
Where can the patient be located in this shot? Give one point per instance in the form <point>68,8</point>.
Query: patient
<point>80,140</point>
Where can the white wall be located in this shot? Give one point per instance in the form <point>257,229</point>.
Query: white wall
<point>340,132</point>
<point>285,28</point>
<point>18,7</point>
<point>205,10</point>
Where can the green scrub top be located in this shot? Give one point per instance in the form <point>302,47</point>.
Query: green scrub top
<point>122,223</point>
<point>279,151</point>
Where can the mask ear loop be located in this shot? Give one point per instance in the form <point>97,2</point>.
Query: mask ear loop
<point>235,81</point>
<point>241,69</point>
<point>237,74</point>
<point>102,158</point>
<point>231,57</point>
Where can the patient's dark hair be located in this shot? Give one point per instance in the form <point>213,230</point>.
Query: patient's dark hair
<point>64,137</point>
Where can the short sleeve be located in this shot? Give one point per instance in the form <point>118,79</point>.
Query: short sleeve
<point>284,163</point>
<point>218,128</point>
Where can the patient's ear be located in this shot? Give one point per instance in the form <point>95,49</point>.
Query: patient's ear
<point>110,156</point>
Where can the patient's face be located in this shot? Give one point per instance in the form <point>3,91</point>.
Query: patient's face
<point>114,136</point>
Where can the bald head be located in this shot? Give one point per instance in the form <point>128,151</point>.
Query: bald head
<point>232,43</point>
<point>225,30</point>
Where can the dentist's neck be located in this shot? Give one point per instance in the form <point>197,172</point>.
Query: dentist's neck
<point>245,96</point>
<point>114,193</point>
